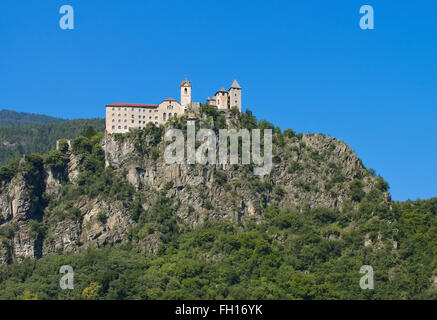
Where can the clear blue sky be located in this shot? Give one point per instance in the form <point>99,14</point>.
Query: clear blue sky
<point>304,65</point>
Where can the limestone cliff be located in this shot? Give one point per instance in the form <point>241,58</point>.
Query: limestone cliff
<point>308,171</point>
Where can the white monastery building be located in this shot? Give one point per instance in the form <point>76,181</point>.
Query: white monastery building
<point>121,117</point>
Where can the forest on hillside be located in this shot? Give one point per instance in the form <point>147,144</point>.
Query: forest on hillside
<point>10,118</point>
<point>289,254</point>
<point>17,140</point>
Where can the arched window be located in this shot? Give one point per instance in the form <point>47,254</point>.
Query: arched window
<point>164,116</point>
<point>186,90</point>
<point>169,115</point>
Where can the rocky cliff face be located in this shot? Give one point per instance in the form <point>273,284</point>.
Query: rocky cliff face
<point>308,171</point>
<point>313,171</point>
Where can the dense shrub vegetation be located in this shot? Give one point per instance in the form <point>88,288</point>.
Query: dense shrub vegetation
<point>290,255</point>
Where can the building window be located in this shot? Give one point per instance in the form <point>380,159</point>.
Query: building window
<point>156,110</point>
<point>119,127</point>
<point>133,109</point>
<point>186,90</point>
<point>150,117</point>
<point>113,120</point>
<point>125,127</point>
<point>119,110</point>
<point>113,109</point>
<point>164,116</point>
<point>139,128</point>
<point>169,115</point>
<point>113,127</point>
<point>119,120</point>
<point>156,118</point>
<point>113,114</point>
<point>132,121</point>
<point>150,111</point>
<point>133,116</point>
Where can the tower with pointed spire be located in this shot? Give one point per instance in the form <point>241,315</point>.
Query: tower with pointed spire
<point>122,117</point>
<point>235,95</point>
<point>225,100</point>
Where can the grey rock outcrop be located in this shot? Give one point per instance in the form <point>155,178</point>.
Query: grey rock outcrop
<point>308,172</point>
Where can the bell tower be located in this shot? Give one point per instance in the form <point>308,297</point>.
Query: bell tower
<point>185,93</point>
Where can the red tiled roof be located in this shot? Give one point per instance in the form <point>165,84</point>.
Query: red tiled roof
<point>169,100</point>
<point>131,105</point>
